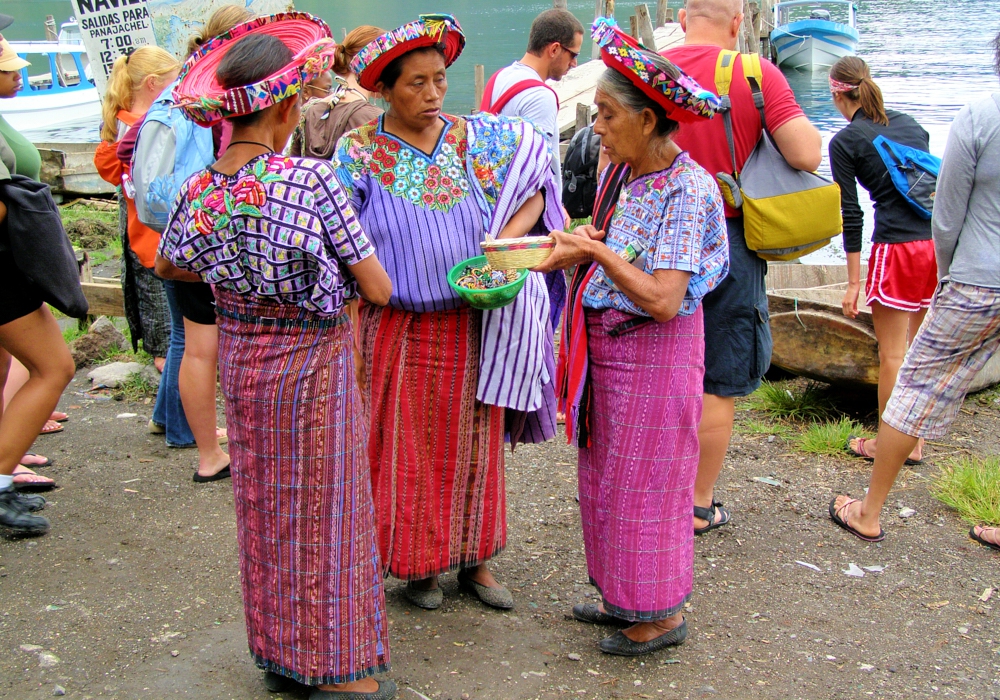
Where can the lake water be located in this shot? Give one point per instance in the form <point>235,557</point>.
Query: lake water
<point>930,57</point>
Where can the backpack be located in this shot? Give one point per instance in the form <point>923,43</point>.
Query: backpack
<point>579,189</point>
<point>787,213</point>
<point>913,172</point>
<point>509,94</point>
<point>169,149</point>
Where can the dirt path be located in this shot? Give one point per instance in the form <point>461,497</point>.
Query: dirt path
<point>135,594</point>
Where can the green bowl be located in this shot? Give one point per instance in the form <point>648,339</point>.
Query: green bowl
<point>485,298</point>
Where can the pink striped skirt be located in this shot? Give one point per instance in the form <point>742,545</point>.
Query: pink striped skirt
<point>637,477</point>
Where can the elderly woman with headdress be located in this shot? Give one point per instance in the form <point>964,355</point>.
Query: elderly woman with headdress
<point>445,380</point>
<point>277,238</point>
<point>635,345</point>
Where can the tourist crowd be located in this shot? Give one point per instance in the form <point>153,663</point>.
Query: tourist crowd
<point>368,406</point>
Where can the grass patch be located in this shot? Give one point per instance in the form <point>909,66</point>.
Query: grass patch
<point>971,485</point>
<point>752,426</point>
<point>113,251</point>
<point>72,333</point>
<point>828,438</point>
<point>781,400</point>
<point>136,389</point>
<point>90,226</point>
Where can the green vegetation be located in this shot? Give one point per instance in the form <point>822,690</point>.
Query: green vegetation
<point>828,438</point>
<point>752,426</point>
<point>113,251</point>
<point>784,400</point>
<point>72,333</point>
<point>971,485</point>
<point>136,388</point>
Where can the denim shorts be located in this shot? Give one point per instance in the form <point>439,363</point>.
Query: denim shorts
<point>737,330</point>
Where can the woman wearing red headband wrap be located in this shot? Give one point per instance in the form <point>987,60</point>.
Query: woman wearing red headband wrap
<point>278,239</point>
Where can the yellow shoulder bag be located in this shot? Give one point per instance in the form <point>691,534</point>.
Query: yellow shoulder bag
<point>787,213</point>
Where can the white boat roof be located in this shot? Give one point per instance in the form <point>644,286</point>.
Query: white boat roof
<point>46,47</point>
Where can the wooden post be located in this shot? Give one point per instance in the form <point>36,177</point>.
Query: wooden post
<point>670,15</point>
<point>750,32</point>
<point>645,26</point>
<point>559,4</point>
<point>598,12</point>
<point>480,86</point>
<point>633,27</point>
<point>50,29</point>
<point>582,116</point>
<point>661,12</point>
<point>609,8</point>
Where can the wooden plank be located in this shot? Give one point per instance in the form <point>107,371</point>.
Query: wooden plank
<point>633,27</point>
<point>104,299</point>
<point>645,25</point>
<point>662,12</point>
<point>579,84</point>
<point>479,87</point>
<point>582,116</point>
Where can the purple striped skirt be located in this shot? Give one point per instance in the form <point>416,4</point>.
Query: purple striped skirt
<point>637,478</point>
<point>305,521</point>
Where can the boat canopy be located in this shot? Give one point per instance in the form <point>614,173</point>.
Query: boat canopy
<point>64,62</point>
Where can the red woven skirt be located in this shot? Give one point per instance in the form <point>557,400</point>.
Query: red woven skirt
<point>436,452</point>
<point>902,276</point>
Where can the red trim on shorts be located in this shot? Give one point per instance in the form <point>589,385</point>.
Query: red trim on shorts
<point>902,276</point>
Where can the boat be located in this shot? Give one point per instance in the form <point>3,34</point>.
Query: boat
<point>58,89</point>
<point>68,168</point>
<point>813,338</point>
<point>810,34</point>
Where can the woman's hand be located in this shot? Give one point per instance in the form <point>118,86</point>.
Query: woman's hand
<point>850,302</point>
<point>373,282</point>
<point>571,249</point>
<point>166,270</point>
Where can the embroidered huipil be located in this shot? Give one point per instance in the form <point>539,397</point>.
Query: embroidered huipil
<point>426,213</point>
<point>281,229</point>
<point>678,216</point>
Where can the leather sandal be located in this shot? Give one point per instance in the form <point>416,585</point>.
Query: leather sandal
<point>841,520</point>
<point>708,514</point>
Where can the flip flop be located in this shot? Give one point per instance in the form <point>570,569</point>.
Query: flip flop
<point>47,463</point>
<point>59,417</point>
<point>979,538</point>
<point>50,427</point>
<point>223,473</point>
<point>842,522</point>
<point>28,481</point>
<point>708,514</point>
<point>860,452</point>
<point>222,435</point>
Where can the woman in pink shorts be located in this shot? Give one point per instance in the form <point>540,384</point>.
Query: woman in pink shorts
<point>902,272</point>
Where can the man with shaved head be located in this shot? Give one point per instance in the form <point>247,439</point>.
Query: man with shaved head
<point>737,334</point>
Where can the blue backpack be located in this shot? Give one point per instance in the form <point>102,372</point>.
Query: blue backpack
<point>914,173</point>
<point>169,149</point>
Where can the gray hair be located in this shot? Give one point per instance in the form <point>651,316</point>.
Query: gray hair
<point>621,90</point>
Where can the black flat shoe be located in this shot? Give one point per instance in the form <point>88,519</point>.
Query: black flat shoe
<point>620,645</point>
<point>386,691</point>
<point>219,476</point>
<point>589,612</point>
<point>277,683</point>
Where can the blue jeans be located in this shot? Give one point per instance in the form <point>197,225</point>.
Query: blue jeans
<point>168,410</point>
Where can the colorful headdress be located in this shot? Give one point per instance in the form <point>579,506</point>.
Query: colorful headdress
<point>206,102</point>
<point>430,30</point>
<point>683,98</point>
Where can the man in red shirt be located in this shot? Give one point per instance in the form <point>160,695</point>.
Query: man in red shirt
<point>737,334</point>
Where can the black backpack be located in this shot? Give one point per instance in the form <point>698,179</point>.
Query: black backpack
<point>579,173</point>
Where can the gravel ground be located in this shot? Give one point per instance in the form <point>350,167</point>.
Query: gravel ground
<point>135,592</point>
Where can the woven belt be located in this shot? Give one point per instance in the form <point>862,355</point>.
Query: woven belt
<point>317,322</point>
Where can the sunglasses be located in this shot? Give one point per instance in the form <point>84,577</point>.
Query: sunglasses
<point>571,52</point>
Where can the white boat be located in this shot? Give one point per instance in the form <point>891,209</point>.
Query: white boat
<point>811,34</point>
<point>57,88</point>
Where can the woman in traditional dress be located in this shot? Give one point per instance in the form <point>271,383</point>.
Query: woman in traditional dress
<point>635,342</point>
<point>278,239</point>
<point>428,187</point>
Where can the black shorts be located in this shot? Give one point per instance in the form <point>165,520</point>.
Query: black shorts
<point>18,296</point>
<point>737,329</point>
<point>196,302</point>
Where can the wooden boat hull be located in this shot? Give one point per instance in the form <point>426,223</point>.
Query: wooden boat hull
<point>813,338</point>
<point>68,168</point>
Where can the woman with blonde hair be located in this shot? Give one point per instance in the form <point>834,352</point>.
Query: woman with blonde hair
<point>136,81</point>
<point>328,117</point>
<point>902,270</point>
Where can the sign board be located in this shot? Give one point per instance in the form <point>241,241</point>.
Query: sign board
<point>112,28</point>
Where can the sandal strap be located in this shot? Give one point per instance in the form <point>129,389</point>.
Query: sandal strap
<point>706,513</point>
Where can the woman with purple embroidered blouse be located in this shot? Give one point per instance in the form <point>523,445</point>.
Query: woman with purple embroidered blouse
<point>635,345</point>
<point>277,238</point>
<point>443,377</point>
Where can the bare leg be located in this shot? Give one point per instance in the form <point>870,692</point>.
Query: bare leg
<point>16,378</point>
<point>714,433</point>
<point>197,381</point>
<point>894,329</point>
<point>365,685</point>
<point>425,584</point>
<point>648,631</point>
<point>481,574</point>
<point>37,342</point>
<point>894,447</point>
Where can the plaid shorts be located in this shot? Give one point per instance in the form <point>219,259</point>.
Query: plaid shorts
<point>959,335</point>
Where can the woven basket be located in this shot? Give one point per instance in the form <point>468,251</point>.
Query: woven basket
<point>518,253</point>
